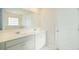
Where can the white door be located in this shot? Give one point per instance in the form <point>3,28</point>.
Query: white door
<point>67,28</point>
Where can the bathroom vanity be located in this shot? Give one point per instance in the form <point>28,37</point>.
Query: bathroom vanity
<point>22,39</point>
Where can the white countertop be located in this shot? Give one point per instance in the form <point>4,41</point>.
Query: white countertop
<point>11,34</point>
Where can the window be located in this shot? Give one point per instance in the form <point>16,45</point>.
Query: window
<point>13,21</point>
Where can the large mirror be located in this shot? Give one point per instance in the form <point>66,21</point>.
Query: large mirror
<point>17,18</point>
<point>13,18</point>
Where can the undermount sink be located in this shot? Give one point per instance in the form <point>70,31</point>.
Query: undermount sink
<point>18,32</point>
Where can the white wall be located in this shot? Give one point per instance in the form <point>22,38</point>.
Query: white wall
<point>47,22</point>
<point>36,20</point>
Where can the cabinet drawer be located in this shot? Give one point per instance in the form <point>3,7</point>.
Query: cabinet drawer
<point>17,47</point>
<point>18,40</point>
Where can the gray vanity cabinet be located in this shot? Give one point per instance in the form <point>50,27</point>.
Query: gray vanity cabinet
<point>22,43</point>
<point>30,42</point>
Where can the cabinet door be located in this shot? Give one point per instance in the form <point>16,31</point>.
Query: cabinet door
<point>40,40</point>
<point>30,43</point>
<point>67,28</point>
<point>2,46</point>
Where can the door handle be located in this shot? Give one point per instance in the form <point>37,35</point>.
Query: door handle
<point>78,29</point>
<point>57,30</point>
